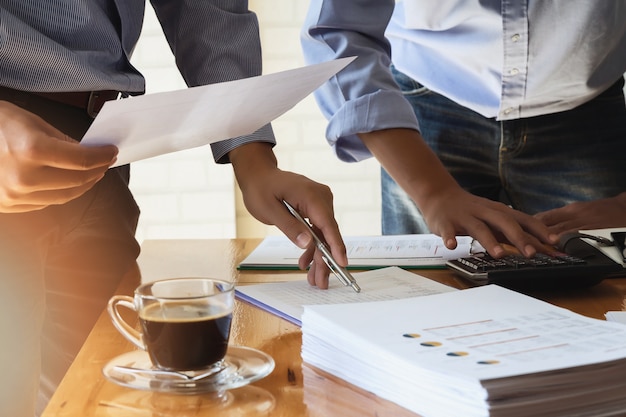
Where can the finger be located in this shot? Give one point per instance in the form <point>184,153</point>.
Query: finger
<point>45,145</point>
<point>21,208</point>
<point>335,243</point>
<point>536,228</point>
<point>295,231</point>
<point>306,258</point>
<point>322,274</point>
<point>327,229</point>
<point>41,199</point>
<point>514,227</point>
<point>71,155</point>
<point>48,178</point>
<point>68,139</point>
<point>525,243</point>
<point>310,275</point>
<point>321,271</point>
<point>558,224</point>
<point>567,226</point>
<point>448,236</point>
<point>318,272</point>
<point>550,218</point>
<point>483,234</point>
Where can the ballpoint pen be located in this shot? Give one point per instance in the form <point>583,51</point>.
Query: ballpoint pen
<point>340,272</point>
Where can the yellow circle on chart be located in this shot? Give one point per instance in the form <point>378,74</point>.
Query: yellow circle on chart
<point>489,362</point>
<point>457,353</point>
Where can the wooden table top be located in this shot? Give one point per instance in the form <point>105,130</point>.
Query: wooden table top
<point>293,389</point>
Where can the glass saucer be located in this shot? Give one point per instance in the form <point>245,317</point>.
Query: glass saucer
<point>243,366</point>
<point>244,401</point>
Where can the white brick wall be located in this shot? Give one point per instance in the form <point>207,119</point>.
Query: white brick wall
<point>187,195</point>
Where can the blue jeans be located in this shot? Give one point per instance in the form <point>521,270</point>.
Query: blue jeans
<point>533,164</point>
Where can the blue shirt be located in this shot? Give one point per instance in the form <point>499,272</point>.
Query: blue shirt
<point>504,59</point>
<point>78,45</point>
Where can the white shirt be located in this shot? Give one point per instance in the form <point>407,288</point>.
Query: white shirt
<point>504,59</point>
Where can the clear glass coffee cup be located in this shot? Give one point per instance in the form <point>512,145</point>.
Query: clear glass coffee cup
<point>185,322</point>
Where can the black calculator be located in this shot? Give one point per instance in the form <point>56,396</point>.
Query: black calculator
<point>577,265</point>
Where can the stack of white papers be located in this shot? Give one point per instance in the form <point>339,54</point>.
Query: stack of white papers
<point>485,351</point>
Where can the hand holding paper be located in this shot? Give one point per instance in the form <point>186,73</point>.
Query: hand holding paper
<point>155,124</point>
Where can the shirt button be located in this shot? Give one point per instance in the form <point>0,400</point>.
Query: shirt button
<point>514,71</point>
<point>509,110</point>
<point>516,37</point>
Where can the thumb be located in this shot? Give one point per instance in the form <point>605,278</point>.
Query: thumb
<point>295,231</point>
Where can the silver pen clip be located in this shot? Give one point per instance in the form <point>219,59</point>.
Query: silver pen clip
<point>340,272</point>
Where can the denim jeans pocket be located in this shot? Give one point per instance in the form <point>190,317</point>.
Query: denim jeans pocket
<point>408,85</point>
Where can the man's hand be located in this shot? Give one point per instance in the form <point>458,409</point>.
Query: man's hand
<point>41,166</point>
<point>456,212</point>
<point>264,187</point>
<point>447,208</point>
<point>598,214</point>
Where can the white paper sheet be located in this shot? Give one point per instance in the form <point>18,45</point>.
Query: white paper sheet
<point>287,299</point>
<point>155,124</point>
<point>409,251</point>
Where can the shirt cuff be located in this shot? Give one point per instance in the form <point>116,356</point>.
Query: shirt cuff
<point>222,148</point>
<point>377,111</point>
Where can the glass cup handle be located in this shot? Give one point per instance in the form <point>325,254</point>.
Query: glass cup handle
<point>124,328</point>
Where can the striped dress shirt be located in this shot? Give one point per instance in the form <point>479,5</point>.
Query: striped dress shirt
<point>78,45</point>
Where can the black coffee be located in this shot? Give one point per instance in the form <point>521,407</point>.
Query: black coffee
<point>187,338</point>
